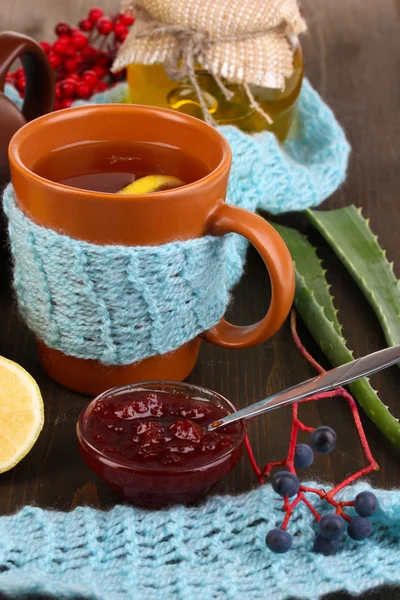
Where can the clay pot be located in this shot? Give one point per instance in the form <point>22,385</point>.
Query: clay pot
<point>39,99</point>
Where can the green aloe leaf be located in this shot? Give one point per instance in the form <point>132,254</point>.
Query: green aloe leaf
<point>310,267</point>
<point>314,303</point>
<point>350,236</point>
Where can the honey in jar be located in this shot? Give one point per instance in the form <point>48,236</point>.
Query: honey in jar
<point>235,62</point>
<point>150,84</point>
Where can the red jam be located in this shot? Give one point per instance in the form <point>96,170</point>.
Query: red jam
<point>149,441</point>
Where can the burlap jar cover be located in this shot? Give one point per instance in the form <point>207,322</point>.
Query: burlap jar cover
<point>243,41</point>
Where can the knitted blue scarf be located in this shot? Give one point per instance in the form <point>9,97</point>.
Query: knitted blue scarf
<point>118,304</point>
<point>215,551</point>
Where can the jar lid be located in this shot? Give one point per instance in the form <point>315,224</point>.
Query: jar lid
<point>244,41</point>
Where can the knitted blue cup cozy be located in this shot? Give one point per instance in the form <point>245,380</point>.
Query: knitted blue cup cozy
<point>215,551</point>
<point>118,304</point>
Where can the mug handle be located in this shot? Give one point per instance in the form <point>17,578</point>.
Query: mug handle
<point>40,80</point>
<point>275,254</point>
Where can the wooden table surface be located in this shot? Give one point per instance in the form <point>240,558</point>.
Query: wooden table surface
<point>352,57</point>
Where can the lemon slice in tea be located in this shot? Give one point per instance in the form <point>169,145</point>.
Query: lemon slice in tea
<point>21,413</point>
<point>152,183</point>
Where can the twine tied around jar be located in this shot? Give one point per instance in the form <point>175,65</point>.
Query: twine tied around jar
<point>229,44</point>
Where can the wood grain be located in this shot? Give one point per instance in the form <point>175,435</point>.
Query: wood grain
<point>352,56</point>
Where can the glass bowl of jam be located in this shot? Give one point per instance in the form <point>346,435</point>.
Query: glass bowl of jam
<point>148,442</point>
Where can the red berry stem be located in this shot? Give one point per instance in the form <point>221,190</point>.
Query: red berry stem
<point>318,492</point>
<point>252,460</point>
<point>303,427</point>
<point>103,41</point>
<point>300,346</point>
<point>266,471</point>
<point>351,479</point>
<point>94,37</point>
<point>297,424</point>
<point>316,514</point>
<point>289,508</point>
<point>293,439</point>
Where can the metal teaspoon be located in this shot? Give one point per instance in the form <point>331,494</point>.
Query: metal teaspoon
<point>361,367</point>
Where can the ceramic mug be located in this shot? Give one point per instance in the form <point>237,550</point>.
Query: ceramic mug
<point>102,218</point>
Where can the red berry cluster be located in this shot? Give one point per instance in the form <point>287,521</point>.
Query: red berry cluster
<point>82,57</point>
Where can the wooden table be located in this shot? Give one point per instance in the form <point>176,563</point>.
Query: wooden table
<point>352,57</point>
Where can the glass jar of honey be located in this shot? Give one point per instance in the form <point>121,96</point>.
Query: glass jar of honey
<point>229,62</point>
<point>150,84</point>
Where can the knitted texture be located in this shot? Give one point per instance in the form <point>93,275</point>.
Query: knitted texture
<point>116,304</point>
<point>120,304</point>
<point>213,552</point>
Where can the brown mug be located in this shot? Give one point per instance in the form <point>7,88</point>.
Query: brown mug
<point>100,218</point>
<point>39,98</point>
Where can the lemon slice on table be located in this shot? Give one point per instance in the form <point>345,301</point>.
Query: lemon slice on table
<point>152,183</point>
<point>21,413</point>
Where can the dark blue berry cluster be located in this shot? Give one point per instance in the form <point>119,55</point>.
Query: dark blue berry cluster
<point>331,526</point>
